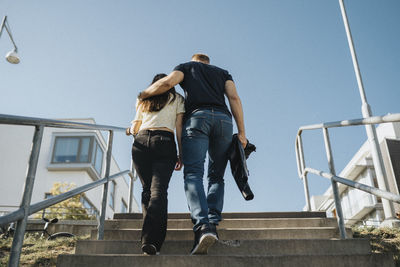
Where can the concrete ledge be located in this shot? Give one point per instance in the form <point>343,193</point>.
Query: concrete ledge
<point>235,215</point>
<point>234,234</point>
<point>76,227</point>
<point>369,260</point>
<point>236,247</point>
<point>230,223</point>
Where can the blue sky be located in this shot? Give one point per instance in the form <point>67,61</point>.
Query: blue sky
<point>289,58</point>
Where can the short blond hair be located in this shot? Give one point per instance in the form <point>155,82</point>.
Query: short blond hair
<point>201,57</point>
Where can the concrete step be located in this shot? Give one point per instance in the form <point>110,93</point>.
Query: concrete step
<point>233,233</point>
<point>365,260</point>
<point>230,223</point>
<point>273,247</point>
<point>235,215</point>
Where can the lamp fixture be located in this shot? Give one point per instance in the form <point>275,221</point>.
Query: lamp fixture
<point>11,56</point>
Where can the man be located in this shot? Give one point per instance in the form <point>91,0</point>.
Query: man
<point>207,128</point>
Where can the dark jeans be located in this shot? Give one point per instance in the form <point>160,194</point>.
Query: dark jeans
<point>154,157</point>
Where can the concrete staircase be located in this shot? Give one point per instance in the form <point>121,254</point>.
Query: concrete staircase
<point>246,239</point>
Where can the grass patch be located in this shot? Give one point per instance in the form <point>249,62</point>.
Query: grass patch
<point>383,240</point>
<point>38,251</point>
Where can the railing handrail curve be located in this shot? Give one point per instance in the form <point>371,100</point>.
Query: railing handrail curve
<point>32,121</point>
<point>354,122</point>
<point>343,123</point>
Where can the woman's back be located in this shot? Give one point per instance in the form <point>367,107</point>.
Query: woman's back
<point>165,118</point>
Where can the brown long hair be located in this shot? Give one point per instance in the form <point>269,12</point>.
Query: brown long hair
<point>158,102</point>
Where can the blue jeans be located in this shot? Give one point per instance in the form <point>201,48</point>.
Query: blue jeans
<point>205,130</point>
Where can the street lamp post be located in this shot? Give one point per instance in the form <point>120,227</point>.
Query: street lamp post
<point>11,56</point>
<point>370,129</point>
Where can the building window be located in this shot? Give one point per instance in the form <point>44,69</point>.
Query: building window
<point>72,150</point>
<point>97,159</point>
<point>124,207</point>
<point>111,191</point>
<point>393,146</point>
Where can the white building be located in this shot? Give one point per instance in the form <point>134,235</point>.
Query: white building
<point>66,156</point>
<point>359,207</point>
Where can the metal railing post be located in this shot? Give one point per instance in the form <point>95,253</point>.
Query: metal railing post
<point>303,173</point>
<point>131,188</point>
<point>100,231</point>
<point>18,239</point>
<point>370,128</point>
<point>335,189</point>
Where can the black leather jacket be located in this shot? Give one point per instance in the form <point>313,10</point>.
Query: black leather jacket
<point>237,158</point>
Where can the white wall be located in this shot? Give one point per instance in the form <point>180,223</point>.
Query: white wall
<point>15,144</point>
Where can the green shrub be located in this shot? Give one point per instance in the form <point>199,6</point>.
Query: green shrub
<point>383,240</point>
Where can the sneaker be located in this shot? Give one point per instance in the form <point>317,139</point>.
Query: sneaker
<point>204,238</point>
<point>149,249</point>
<point>213,229</point>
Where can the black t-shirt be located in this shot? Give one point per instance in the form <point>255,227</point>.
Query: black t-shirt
<point>204,86</point>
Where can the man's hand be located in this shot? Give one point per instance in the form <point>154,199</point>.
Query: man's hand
<point>242,139</point>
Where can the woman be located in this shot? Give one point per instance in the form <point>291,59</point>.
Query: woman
<point>155,158</point>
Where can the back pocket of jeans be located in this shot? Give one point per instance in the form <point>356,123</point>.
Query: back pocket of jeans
<point>164,148</point>
<point>226,129</point>
<point>194,126</point>
<point>140,139</point>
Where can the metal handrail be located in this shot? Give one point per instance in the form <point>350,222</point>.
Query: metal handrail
<point>32,121</point>
<point>366,188</point>
<point>19,214</point>
<point>335,124</point>
<point>371,120</point>
<point>26,209</point>
<point>303,170</point>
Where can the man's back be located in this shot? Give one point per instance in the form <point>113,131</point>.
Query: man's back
<point>204,85</point>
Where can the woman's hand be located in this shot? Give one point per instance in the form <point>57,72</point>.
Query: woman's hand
<point>179,164</point>
<point>128,131</point>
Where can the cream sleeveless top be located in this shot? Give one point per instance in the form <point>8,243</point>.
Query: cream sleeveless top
<point>166,117</point>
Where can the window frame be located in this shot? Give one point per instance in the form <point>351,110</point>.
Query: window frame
<point>88,166</point>
<point>91,144</point>
<point>93,156</point>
